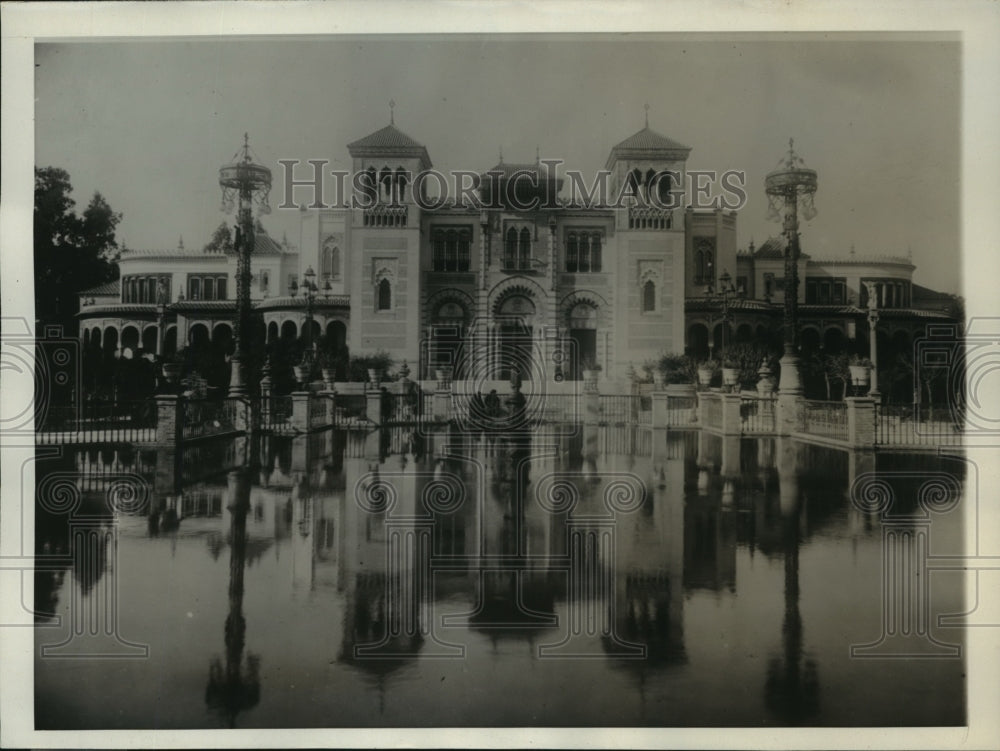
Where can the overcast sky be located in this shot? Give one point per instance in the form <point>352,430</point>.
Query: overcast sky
<point>149,123</point>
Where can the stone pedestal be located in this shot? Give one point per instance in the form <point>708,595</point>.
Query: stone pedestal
<point>168,420</point>
<point>300,411</point>
<point>732,424</point>
<point>788,414</point>
<point>861,421</point>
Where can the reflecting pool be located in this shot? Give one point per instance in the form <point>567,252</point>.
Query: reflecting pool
<point>569,576</point>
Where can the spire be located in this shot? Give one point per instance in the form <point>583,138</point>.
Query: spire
<point>180,243</point>
<point>852,250</point>
<point>537,160</point>
<point>501,155</point>
<point>647,114</point>
<point>392,112</point>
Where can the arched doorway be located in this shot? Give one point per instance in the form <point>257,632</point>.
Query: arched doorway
<point>130,338</point>
<point>272,332</point>
<point>516,319</point>
<point>150,337</point>
<point>336,332</point>
<point>448,331</point>
<point>170,340</point>
<point>289,331</point>
<point>744,334</point>
<point>582,325</point>
<point>834,341</point>
<point>697,340</point>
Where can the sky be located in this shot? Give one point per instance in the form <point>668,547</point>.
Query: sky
<point>149,123</point>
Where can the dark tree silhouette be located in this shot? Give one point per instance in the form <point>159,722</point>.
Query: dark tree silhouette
<point>72,252</point>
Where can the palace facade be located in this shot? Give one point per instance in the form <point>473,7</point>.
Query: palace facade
<point>481,292</point>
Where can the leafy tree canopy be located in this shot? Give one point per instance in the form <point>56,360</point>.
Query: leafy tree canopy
<point>72,252</point>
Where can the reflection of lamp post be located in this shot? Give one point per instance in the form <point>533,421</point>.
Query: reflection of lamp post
<point>246,183</point>
<point>230,689</point>
<point>872,340</point>
<point>788,185</point>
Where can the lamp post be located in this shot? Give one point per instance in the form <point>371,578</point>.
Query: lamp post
<point>161,314</point>
<point>309,293</point>
<point>872,338</point>
<point>727,291</point>
<point>243,184</point>
<point>790,184</point>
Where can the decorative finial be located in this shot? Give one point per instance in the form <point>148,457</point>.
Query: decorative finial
<point>647,114</point>
<point>501,155</point>
<point>852,249</point>
<point>246,146</point>
<point>392,111</point>
<point>180,243</point>
<point>536,154</point>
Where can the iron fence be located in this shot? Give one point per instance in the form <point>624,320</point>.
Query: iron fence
<point>712,410</point>
<point>681,411</point>
<point>206,417</point>
<point>98,422</point>
<point>276,413</point>
<point>622,409</point>
<point>825,418</point>
<point>757,414</point>
<point>910,425</point>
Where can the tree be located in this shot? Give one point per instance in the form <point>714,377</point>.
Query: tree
<point>71,252</point>
<point>222,240</point>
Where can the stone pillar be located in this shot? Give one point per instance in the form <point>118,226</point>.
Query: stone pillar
<point>442,401</point>
<point>732,423</point>
<point>168,419</point>
<point>300,411</point>
<point>788,414</point>
<point>373,405</point>
<point>861,421</point>
<point>660,409</point>
<point>591,403</point>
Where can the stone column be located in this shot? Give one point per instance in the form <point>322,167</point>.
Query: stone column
<point>861,421</point>
<point>661,403</point>
<point>732,423</point>
<point>442,401</point>
<point>168,419</point>
<point>300,411</point>
<point>788,414</point>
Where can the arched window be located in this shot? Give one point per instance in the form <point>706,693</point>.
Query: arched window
<point>584,253</point>
<point>524,250</point>
<point>451,250</point>
<point>370,185</point>
<point>151,289</point>
<point>649,296</point>
<point>220,288</point>
<point>572,253</point>
<point>510,249</point>
<point>265,281</point>
<point>632,182</point>
<point>595,252</point>
<point>384,295</point>
<point>208,288</point>
<point>400,185</point>
<point>699,266</point>
<point>385,179</point>
<point>335,262</point>
<point>324,262</point>
<point>194,291</point>
<point>649,182</point>
<point>464,247</point>
<point>664,184</point>
<point>439,251</point>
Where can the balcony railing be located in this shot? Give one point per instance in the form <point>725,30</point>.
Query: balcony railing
<point>650,217</point>
<point>825,418</point>
<point>386,216</point>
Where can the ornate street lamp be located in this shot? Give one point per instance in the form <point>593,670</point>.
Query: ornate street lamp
<point>791,184</point>
<point>309,291</point>
<point>727,291</point>
<point>872,338</point>
<point>244,185</point>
